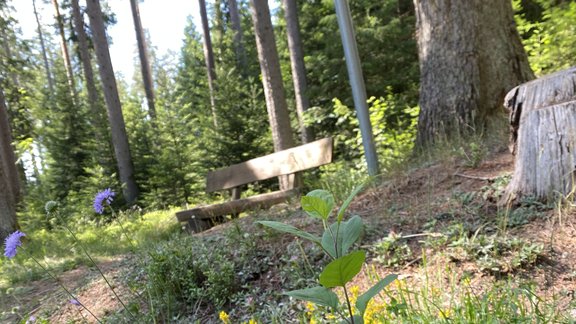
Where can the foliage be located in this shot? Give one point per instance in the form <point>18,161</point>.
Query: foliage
<point>393,127</point>
<point>505,302</point>
<point>336,241</point>
<point>392,250</point>
<point>546,28</point>
<point>495,253</point>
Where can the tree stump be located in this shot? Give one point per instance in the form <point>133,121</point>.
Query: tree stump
<point>543,136</point>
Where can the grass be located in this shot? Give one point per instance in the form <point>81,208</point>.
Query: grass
<point>59,252</point>
<point>473,263</point>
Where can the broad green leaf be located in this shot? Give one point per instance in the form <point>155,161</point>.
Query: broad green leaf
<point>347,234</point>
<point>364,299</point>
<point>318,203</point>
<point>348,200</point>
<point>291,229</point>
<point>351,230</point>
<point>340,271</point>
<point>357,320</point>
<point>318,295</point>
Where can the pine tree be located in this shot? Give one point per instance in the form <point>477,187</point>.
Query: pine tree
<point>115,117</point>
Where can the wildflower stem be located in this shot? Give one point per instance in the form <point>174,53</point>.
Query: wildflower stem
<point>305,256</point>
<point>99,271</point>
<point>349,305</point>
<point>63,287</point>
<point>123,229</point>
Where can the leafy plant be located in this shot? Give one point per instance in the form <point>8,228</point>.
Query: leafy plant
<point>336,241</point>
<point>392,250</point>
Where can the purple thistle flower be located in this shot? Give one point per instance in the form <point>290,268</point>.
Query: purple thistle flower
<point>75,302</point>
<point>102,197</point>
<point>31,319</point>
<point>11,243</point>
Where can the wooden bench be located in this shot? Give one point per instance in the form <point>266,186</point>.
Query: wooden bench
<point>283,163</point>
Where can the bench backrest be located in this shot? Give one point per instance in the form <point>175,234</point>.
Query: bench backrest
<point>285,162</point>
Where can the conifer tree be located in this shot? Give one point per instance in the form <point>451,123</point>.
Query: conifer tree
<point>115,117</point>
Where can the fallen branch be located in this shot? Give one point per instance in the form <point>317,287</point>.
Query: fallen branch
<point>475,177</point>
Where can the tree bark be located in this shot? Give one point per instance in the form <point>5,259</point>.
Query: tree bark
<point>115,117</point>
<point>65,53</point>
<point>144,61</point>
<point>272,79</point>
<point>84,53</point>
<point>8,222</point>
<point>543,136</point>
<point>7,156</point>
<point>43,49</point>
<point>209,59</point>
<point>9,181</point>
<point>298,67</point>
<point>237,28</point>
<point>470,57</point>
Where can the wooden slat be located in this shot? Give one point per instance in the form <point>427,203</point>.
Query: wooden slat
<point>236,206</point>
<point>280,163</point>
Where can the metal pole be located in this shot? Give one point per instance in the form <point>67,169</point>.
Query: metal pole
<point>357,83</point>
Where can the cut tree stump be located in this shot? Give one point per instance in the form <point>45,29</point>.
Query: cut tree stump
<point>543,136</point>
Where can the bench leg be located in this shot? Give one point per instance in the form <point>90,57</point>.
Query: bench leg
<point>236,193</point>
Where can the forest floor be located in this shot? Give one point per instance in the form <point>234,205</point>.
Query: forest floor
<point>429,218</point>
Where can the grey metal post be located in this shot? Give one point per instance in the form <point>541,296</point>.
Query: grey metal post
<point>357,83</point>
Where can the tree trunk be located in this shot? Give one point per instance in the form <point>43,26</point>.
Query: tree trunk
<point>470,56</point>
<point>8,223</point>
<point>272,79</point>
<point>84,53</point>
<point>115,117</point>
<point>543,136</point>
<point>209,58</point>
<point>7,156</point>
<point>43,49</point>
<point>144,61</point>
<point>65,53</point>
<point>297,65</point>
<point>237,28</point>
<point>9,181</point>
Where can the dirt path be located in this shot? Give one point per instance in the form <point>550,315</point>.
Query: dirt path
<point>46,299</point>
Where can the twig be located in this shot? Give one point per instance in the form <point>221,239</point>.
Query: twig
<point>475,177</point>
<point>412,262</point>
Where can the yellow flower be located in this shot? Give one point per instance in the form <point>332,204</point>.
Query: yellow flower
<point>224,317</point>
<point>252,321</point>
<point>445,313</point>
<point>354,290</point>
<point>400,284</point>
<point>372,311</point>
<point>312,321</point>
<point>310,306</point>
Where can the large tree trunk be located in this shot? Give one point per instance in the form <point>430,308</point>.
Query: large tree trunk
<point>470,57</point>
<point>84,53</point>
<point>237,28</point>
<point>543,136</point>
<point>9,181</point>
<point>8,223</point>
<point>272,79</point>
<point>65,53</point>
<point>115,117</point>
<point>43,49</point>
<point>209,58</point>
<point>144,61</point>
<point>7,156</point>
<point>297,65</point>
